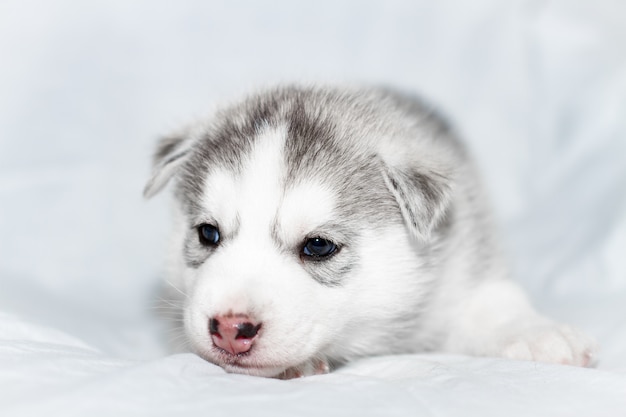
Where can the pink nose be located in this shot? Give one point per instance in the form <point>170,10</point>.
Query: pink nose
<point>233,333</point>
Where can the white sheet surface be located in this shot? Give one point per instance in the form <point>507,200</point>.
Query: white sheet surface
<point>52,376</point>
<point>537,88</point>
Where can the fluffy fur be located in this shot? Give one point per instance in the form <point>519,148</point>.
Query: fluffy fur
<point>384,178</point>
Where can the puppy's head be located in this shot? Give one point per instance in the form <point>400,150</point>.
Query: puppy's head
<point>304,219</point>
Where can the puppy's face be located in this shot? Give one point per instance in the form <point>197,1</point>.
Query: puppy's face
<point>290,243</point>
<point>269,252</point>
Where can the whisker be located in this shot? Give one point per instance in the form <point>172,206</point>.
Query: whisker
<point>167,310</point>
<point>171,316</point>
<point>176,288</point>
<point>166,307</point>
<point>179,342</point>
<point>171,303</point>
<point>177,324</point>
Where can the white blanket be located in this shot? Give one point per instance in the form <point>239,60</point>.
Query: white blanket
<point>537,89</point>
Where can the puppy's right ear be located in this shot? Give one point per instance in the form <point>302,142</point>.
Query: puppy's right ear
<point>172,151</point>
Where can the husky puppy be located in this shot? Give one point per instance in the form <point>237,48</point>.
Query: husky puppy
<point>314,226</point>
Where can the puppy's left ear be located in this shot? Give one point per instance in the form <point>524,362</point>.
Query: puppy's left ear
<point>424,195</point>
<point>172,151</point>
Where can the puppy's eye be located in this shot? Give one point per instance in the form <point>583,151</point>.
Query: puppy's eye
<point>209,235</point>
<point>318,248</point>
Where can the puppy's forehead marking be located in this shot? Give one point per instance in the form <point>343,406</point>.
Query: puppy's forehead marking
<point>261,181</point>
<point>247,199</point>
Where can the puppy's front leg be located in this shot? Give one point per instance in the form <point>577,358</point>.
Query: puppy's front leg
<point>496,319</point>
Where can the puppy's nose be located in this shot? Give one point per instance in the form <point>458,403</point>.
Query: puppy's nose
<point>234,333</point>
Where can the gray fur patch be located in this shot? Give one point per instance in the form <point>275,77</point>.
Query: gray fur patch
<point>332,272</point>
<point>329,271</point>
<point>194,252</point>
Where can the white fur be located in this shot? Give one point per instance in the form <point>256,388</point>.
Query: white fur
<point>303,209</point>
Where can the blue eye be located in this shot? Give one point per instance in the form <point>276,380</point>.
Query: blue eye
<point>318,248</point>
<point>209,235</point>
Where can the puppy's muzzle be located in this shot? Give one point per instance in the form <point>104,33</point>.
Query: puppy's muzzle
<point>234,334</point>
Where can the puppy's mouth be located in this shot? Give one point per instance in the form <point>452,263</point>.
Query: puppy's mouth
<point>247,363</point>
<point>237,366</point>
<point>242,360</point>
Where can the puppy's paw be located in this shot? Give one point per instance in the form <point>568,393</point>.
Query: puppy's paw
<point>312,367</point>
<point>547,342</point>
